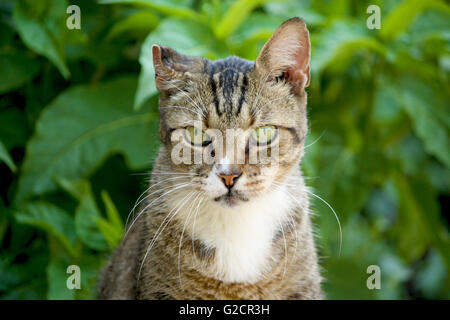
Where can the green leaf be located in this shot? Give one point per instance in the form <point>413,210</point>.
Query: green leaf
<point>287,9</point>
<point>394,273</point>
<point>335,46</point>
<point>16,69</point>
<point>111,229</point>
<point>50,218</point>
<point>90,266</point>
<point>172,8</point>
<point>42,28</point>
<point>346,279</point>
<point>187,36</point>
<point>57,281</point>
<point>402,16</point>
<point>410,221</point>
<point>80,129</point>
<point>112,234</point>
<point>418,218</point>
<point>87,215</point>
<point>6,158</point>
<point>111,211</point>
<point>343,54</point>
<point>76,188</point>
<point>427,111</point>
<point>387,108</point>
<point>431,24</point>
<point>431,275</point>
<point>257,26</point>
<point>23,280</point>
<point>439,176</point>
<point>235,16</point>
<point>94,231</point>
<point>143,21</point>
<point>57,275</point>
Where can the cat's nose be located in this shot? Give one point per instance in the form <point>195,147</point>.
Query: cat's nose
<point>229,179</point>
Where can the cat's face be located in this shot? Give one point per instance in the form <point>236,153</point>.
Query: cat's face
<point>236,128</point>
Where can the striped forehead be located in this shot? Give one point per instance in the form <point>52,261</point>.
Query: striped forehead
<point>229,82</point>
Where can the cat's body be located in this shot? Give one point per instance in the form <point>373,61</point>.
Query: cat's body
<point>230,229</point>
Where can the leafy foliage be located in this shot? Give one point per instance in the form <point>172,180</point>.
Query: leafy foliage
<point>77,123</point>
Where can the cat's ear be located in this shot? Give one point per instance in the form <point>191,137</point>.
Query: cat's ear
<point>169,65</point>
<point>287,54</point>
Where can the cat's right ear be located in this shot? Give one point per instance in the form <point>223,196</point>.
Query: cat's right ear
<point>286,55</point>
<point>169,65</point>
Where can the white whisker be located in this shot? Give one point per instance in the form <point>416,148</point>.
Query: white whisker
<point>191,101</point>
<point>176,187</point>
<point>193,227</point>
<point>159,231</point>
<point>335,214</point>
<point>291,220</point>
<point>139,201</point>
<point>181,238</point>
<point>309,145</point>
<point>285,249</point>
<point>173,173</point>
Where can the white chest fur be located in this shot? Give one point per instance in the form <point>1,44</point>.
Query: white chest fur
<point>242,236</point>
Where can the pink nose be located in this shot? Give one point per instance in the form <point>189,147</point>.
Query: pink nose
<point>229,179</point>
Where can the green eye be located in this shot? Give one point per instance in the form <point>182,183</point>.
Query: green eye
<point>197,137</point>
<point>264,135</point>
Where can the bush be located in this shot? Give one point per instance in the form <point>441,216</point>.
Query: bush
<point>77,125</point>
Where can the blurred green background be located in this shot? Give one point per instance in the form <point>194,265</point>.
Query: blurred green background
<point>78,129</point>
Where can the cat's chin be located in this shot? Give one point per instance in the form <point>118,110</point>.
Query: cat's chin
<point>230,200</point>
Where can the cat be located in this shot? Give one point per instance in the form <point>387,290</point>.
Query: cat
<point>226,229</point>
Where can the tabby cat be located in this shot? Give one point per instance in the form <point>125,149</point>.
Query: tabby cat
<point>225,229</point>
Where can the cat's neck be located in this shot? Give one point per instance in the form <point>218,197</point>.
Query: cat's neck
<point>242,236</point>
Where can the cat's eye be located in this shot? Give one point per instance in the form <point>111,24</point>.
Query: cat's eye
<point>264,135</point>
<point>197,137</point>
<point>280,77</point>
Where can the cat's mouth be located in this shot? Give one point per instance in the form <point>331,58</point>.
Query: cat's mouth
<point>231,198</point>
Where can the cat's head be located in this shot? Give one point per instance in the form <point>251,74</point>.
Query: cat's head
<point>236,127</point>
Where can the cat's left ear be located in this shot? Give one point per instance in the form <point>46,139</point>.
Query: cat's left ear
<point>287,54</point>
<point>169,65</point>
